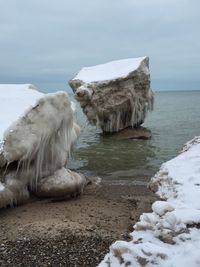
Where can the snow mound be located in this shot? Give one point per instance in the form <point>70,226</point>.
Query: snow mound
<point>109,71</point>
<point>170,235</point>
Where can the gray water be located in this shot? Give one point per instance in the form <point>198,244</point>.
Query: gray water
<point>174,121</point>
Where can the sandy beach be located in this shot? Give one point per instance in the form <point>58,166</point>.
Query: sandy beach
<point>75,232</point>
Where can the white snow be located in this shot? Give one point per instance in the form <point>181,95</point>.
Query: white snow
<point>161,207</point>
<point>2,187</point>
<point>110,70</point>
<point>169,236</point>
<point>15,99</point>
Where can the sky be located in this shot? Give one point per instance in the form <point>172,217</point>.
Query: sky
<point>46,42</point>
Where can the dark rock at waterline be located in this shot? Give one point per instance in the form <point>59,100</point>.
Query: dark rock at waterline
<point>131,133</point>
<point>115,95</point>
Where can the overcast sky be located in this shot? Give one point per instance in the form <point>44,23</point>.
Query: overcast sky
<point>46,42</point>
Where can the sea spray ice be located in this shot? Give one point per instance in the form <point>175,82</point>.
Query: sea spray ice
<point>115,95</point>
<point>37,144</point>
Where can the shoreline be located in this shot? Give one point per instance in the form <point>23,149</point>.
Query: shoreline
<point>169,235</point>
<point>75,232</point>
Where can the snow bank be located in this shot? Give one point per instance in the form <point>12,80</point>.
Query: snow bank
<point>109,71</point>
<point>170,235</point>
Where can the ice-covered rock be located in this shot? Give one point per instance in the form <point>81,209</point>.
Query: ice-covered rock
<point>37,132</point>
<point>115,95</point>
<point>63,183</point>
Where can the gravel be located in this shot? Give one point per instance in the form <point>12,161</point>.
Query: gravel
<point>67,250</point>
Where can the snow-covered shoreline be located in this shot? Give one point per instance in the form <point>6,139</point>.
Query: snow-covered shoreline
<point>170,235</point>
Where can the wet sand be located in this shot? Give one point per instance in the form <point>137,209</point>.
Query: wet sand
<point>75,232</point>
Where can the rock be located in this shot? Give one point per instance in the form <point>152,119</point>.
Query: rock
<point>153,186</point>
<point>115,95</point>
<point>131,133</point>
<point>63,183</point>
<point>167,238</point>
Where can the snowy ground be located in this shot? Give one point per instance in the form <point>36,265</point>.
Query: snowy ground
<point>170,235</point>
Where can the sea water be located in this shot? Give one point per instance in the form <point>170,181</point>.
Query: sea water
<point>174,121</point>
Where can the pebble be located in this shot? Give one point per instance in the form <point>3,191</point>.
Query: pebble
<point>66,250</point>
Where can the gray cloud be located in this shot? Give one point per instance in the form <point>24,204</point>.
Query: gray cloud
<point>46,42</point>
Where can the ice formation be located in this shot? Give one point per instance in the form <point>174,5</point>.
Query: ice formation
<point>170,235</point>
<point>62,183</point>
<point>115,95</point>
<point>37,133</point>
